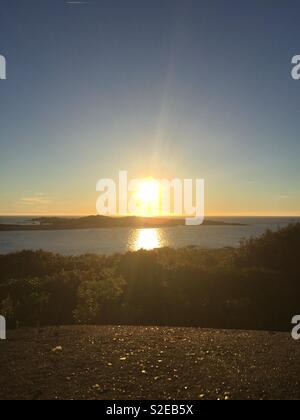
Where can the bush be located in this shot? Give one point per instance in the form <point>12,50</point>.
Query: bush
<point>274,250</point>
<point>97,293</point>
<point>256,286</point>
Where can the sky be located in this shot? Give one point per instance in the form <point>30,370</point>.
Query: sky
<point>160,88</point>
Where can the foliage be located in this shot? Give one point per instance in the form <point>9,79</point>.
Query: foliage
<point>255,286</point>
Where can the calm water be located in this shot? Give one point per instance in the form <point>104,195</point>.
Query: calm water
<point>109,241</point>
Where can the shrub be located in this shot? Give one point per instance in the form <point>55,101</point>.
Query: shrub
<point>95,294</point>
<point>256,286</point>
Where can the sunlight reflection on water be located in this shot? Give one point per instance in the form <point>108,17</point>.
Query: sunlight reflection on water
<point>120,240</point>
<point>146,239</point>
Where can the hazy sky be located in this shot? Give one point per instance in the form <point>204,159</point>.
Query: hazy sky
<point>186,88</point>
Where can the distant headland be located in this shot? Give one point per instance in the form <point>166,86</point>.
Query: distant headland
<point>100,222</point>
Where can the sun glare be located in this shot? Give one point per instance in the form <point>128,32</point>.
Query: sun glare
<point>148,196</point>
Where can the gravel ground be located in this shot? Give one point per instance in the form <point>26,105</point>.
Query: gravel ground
<point>148,363</point>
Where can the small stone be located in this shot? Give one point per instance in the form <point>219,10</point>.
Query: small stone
<point>57,349</point>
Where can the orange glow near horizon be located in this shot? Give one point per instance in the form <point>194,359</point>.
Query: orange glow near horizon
<point>207,216</point>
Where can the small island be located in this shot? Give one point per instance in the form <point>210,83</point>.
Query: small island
<point>100,222</point>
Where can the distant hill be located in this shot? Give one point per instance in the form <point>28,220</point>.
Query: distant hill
<point>98,222</point>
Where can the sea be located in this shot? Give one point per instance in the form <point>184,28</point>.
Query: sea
<point>120,240</point>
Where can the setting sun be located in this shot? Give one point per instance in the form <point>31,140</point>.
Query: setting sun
<point>148,196</point>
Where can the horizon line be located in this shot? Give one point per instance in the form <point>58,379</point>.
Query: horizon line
<point>157,216</point>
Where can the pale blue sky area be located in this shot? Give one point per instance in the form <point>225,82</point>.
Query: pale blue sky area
<point>187,88</point>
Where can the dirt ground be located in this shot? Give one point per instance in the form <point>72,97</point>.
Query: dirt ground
<point>115,363</point>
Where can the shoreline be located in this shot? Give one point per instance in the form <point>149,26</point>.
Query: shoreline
<point>103,222</point>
